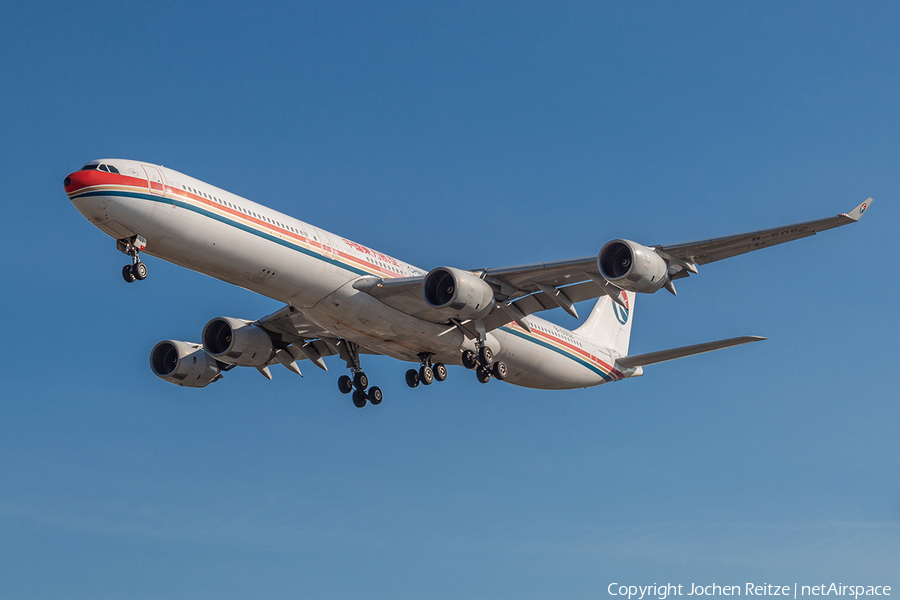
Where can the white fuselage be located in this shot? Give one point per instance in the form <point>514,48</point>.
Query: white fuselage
<point>204,228</point>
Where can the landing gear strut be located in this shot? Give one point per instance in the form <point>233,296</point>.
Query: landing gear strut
<point>428,373</point>
<point>360,382</point>
<point>132,247</point>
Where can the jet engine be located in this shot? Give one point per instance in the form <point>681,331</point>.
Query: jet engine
<point>184,363</point>
<point>632,267</point>
<point>237,342</point>
<point>458,293</point>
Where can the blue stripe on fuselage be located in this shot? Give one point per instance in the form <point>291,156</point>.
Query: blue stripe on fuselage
<point>569,355</point>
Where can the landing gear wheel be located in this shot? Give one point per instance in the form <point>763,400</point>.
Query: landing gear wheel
<point>360,381</point>
<point>426,375</point>
<point>483,375</point>
<point>499,370</point>
<point>486,355</point>
<point>468,359</point>
<point>359,398</point>
<point>128,274</point>
<point>140,270</point>
<point>440,371</point>
<point>412,378</point>
<point>345,384</point>
<point>375,396</point>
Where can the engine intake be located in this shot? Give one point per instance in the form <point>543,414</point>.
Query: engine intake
<point>184,364</point>
<point>237,342</point>
<point>458,293</point>
<point>633,267</point>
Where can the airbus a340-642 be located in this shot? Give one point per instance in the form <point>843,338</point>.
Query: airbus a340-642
<point>343,298</point>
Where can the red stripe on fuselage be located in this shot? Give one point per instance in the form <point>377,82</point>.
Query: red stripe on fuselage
<point>315,244</point>
<point>84,179</point>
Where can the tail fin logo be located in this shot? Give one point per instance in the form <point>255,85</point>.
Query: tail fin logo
<point>621,312</point>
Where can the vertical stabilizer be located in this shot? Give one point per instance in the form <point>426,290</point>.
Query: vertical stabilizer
<point>610,324</point>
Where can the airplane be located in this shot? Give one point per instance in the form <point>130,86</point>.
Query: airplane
<point>343,298</point>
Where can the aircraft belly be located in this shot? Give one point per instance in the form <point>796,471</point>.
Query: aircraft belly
<point>363,319</point>
<point>536,366</point>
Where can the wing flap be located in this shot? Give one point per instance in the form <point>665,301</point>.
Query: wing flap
<point>541,302</point>
<point>290,325</point>
<point>524,278</point>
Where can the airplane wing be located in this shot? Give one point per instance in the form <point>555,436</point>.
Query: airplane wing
<point>526,289</point>
<point>706,251</point>
<point>301,339</point>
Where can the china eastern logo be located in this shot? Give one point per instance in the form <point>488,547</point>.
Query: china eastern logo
<point>621,312</point>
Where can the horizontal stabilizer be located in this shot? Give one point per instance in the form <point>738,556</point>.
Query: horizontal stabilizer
<point>640,360</point>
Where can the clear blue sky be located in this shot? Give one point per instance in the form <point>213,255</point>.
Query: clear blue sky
<point>464,135</point>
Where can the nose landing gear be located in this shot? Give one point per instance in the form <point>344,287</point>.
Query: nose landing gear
<point>132,247</point>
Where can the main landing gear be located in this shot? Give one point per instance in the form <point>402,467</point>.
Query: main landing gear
<point>427,374</point>
<point>483,364</point>
<point>132,247</point>
<point>359,384</point>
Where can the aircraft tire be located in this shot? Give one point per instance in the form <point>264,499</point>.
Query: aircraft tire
<point>360,381</point>
<point>345,384</point>
<point>499,370</point>
<point>426,375</point>
<point>440,371</point>
<point>128,274</point>
<point>486,355</point>
<point>140,270</point>
<point>468,359</point>
<point>359,399</point>
<point>483,375</point>
<point>374,395</point>
<point>412,378</point>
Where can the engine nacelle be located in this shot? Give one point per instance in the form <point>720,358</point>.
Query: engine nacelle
<point>184,363</point>
<point>458,293</point>
<point>632,267</point>
<point>237,342</point>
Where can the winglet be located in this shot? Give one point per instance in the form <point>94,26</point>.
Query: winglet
<point>857,213</point>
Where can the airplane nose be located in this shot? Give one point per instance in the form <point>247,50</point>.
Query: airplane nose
<point>77,180</point>
<point>69,182</point>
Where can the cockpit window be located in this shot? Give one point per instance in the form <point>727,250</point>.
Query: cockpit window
<point>100,167</point>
